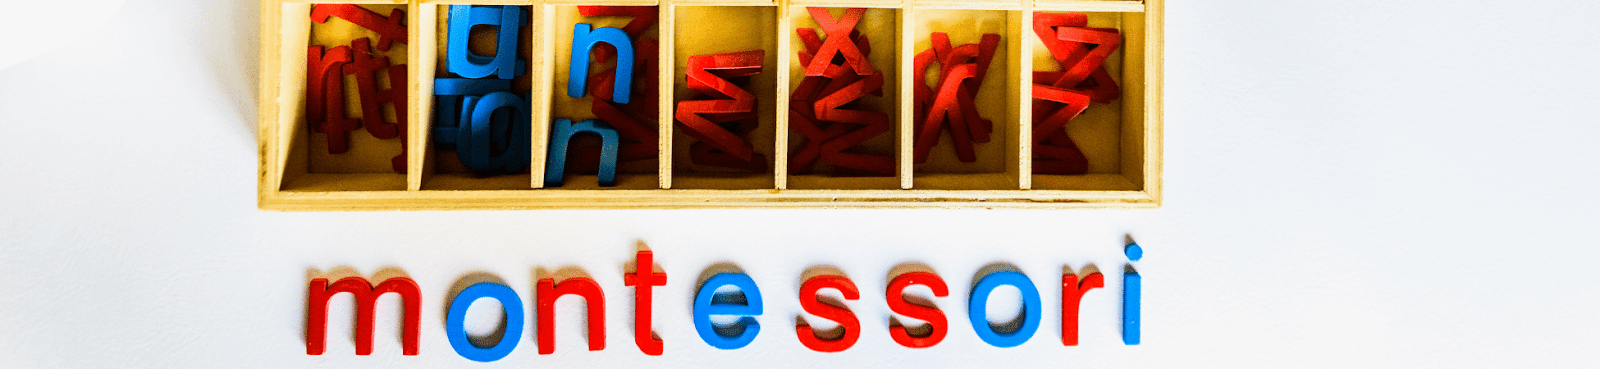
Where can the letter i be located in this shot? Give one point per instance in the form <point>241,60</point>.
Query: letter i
<point>1130,296</point>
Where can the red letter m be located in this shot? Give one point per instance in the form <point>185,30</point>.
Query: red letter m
<point>365,298</point>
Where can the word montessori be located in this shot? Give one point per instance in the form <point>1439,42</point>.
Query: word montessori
<point>732,297</point>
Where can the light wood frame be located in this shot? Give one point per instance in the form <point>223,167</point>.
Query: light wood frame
<point>1133,182</point>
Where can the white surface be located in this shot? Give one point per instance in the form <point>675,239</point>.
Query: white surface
<point>1348,183</point>
<point>23,19</point>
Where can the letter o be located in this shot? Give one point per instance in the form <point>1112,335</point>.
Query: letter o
<point>978,309</point>
<point>454,321</point>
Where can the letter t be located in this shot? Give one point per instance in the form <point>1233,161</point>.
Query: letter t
<point>643,279</point>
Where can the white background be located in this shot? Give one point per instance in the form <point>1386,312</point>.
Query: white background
<point>1348,183</point>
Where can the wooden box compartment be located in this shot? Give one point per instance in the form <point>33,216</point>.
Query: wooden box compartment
<point>1122,139</point>
<point>442,168</point>
<point>559,18</point>
<point>302,160</point>
<point>710,30</point>
<point>1107,134</point>
<point>997,162</point>
<point>881,26</point>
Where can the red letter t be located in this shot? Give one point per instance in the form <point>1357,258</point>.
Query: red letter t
<point>643,279</point>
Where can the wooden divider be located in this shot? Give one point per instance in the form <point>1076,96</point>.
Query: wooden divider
<point>907,47</point>
<point>1123,139</point>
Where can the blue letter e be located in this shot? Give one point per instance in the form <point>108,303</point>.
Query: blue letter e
<point>708,302</point>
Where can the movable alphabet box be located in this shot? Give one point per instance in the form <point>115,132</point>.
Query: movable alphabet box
<point>572,104</point>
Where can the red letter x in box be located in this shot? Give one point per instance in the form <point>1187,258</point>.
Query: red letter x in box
<point>838,42</point>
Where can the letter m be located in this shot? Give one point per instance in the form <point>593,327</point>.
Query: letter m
<point>366,296</point>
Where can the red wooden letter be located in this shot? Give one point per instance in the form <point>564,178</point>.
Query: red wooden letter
<point>325,95</point>
<point>838,42</point>
<point>930,314</point>
<point>1071,294</point>
<point>389,29</point>
<point>643,280</point>
<point>847,320</point>
<point>549,291</point>
<point>365,297</point>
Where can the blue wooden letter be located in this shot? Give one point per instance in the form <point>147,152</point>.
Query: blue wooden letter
<point>583,42</point>
<point>488,144</point>
<point>708,302</point>
<point>455,321</point>
<point>1132,287</point>
<point>561,132</point>
<point>978,309</point>
<point>448,94</point>
<point>504,63</point>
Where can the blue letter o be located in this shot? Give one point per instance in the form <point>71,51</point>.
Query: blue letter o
<point>454,329</point>
<point>978,309</point>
